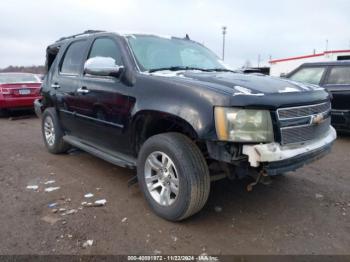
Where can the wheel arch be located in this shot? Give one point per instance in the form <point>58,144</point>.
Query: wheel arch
<point>148,123</point>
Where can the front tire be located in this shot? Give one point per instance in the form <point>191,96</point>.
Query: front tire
<point>53,133</point>
<point>173,176</point>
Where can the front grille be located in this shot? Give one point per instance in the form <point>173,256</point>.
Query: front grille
<point>303,111</point>
<point>299,134</point>
<point>296,124</point>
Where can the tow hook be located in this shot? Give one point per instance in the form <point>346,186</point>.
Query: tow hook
<point>262,178</point>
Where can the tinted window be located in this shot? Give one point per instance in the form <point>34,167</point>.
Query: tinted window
<point>311,75</point>
<point>339,76</point>
<point>106,47</point>
<point>73,58</point>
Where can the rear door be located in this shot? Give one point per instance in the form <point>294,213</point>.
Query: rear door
<point>104,105</point>
<point>65,81</point>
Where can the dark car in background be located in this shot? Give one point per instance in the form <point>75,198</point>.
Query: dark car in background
<point>335,77</point>
<point>18,91</point>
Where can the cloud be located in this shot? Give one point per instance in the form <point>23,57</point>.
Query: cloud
<point>276,28</point>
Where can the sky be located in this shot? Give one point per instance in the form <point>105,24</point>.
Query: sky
<point>275,28</point>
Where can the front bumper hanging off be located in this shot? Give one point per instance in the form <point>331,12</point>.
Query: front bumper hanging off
<point>276,159</point>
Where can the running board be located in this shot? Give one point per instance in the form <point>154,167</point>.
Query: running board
<point>105,154</point>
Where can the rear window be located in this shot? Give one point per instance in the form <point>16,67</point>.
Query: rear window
<point>73,59</point>
<point>18,78</point>
<point>339,76</point>
<point>311,75</point>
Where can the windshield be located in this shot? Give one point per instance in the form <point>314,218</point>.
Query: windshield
<point>18,78</point>
<point>153,52</point>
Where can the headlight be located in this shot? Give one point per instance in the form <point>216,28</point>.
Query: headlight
<point>243,125</point>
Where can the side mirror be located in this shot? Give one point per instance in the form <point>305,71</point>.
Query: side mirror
<point>102,66</point>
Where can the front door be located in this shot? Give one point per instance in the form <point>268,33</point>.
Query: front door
<point>103,101</point>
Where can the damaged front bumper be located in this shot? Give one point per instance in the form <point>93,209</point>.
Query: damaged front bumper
<point>276,159</point>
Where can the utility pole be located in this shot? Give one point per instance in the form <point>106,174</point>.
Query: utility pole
<point>223,41</point>
<point>326,44</point>
<point>259,59</point>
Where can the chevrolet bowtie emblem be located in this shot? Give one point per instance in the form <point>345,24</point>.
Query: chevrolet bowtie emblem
<point>317,119</point>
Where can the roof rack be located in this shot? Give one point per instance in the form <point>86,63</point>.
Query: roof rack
<point>87,32</point>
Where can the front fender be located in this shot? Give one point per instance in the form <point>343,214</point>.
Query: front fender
<point>193,104</point>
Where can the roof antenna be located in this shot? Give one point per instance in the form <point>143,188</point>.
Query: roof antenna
<point>187,37</point>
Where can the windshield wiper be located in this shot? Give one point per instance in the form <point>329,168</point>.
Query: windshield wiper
<point>221,70</point>
<point>177,68</point>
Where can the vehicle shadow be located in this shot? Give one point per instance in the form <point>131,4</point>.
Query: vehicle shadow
<point>229,200</point>
<point>18,114</point>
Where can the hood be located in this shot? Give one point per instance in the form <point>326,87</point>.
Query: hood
<point>251,89</point>
<point>250,84</point>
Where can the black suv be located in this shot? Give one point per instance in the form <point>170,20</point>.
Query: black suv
<point>335,77</point>
<point>170,108</point>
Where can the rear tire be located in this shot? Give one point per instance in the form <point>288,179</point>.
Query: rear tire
<point>53,133</point>
<point>173,163</point>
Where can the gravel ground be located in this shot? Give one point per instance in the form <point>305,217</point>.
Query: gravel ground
<point>305,212</point>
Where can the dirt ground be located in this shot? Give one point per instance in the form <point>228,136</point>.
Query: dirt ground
<point>306,212</point>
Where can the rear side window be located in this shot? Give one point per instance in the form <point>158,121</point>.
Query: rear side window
<point>73,59</point>
<point>339,76</point>
<point>106,47</point>
<point>311,75</point>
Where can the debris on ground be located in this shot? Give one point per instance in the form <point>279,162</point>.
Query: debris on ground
<point>62,209</point>
<point>88,243</point>
<point>33,187</point>
<point>88,195</point>
<point>174,238</point>
<point>124,219</point>
<point>70,212</point>
<point>55,210</point>
<point>318,196</point>
<point>218,209</point>
<point>52,205</point>
<point>50,219</point>
<point>50,189</point>
<point>100,202</point>
<point>148,238</point>
<point>49,182</point>
<point>157,252</point>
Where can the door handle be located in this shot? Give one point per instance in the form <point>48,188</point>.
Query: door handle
<point>55,85</point>
<point>83,90</point>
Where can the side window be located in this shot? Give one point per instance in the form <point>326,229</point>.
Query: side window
<point>106,47</point>
<point>311,75</point>
<point>339,75</point>
<point>73,59</point>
